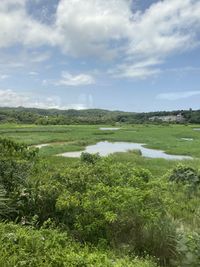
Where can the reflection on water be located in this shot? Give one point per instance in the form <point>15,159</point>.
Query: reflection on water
<point>41,145</point>
<point>187,139</point>
<point>109,129</point>
<point>105,148</point>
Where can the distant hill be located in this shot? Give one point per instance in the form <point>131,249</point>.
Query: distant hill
<point>91,116</point>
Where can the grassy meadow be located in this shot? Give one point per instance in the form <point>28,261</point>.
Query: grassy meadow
<point>68,138</point>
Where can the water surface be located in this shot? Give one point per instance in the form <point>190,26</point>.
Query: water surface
<point>187,139</point>
<point>41,145</point>
<point>105,148</point>
<point>109,129</point>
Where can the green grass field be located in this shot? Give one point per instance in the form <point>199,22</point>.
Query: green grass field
<point>75,137</point>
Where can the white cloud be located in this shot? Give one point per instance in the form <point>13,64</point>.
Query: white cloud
<point>166,28</point>
<point>33,73</point>
<point>107,29</point>
<point>17,27</point>
<point>22,60</point>
<point>4,76</point>
<point>177,95</point>
<point>163,29</point>
<point>11,65</point>
<point>88,27</point>
<point>79,106</point>
<point>10,98</point>
<point>39,57</point>
<point>184,69</point>
<point>140,70</point>
<point>68,79</point>
<point>45,82</point>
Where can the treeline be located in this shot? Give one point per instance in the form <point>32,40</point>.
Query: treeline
<point>90,116</point>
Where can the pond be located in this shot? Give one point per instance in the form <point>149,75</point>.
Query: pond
<point>105,148</point>
<point>41,145</point>
<point>109,129</point>
<point>187,139</point>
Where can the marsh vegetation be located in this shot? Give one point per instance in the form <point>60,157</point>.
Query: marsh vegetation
<point>119,210</point>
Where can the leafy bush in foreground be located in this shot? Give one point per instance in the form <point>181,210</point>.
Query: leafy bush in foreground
<point>11,149</point>
<point>100,203</point>
<point>16,163</point>
<point>189,249</point>
<point>49,248</point>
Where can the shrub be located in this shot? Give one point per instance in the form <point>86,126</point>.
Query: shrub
<point>22,246</point>
<point>188,246</point>
<point>185,174</point>
<point>90,158</point>
<point>118,204</point>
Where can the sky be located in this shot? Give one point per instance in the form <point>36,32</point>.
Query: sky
<point>131,55</point>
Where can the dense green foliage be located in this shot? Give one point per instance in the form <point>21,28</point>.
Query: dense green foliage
<point>91,116</point>
<point>20,246</point>
<point>185,174</point>
<point>95,211</point>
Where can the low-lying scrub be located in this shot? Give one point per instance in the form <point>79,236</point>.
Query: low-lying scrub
<point>86,213</point>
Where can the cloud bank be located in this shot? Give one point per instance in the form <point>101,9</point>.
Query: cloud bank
<point>11,98</point>
<point>178,95</point>
<point>68,79</point>
<point>107,29</point>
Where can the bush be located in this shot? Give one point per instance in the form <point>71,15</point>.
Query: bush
<point>90,158</point>
<point>185,174</point>
<point>49,248</point>
<point>118,204</point>
<point>188,247</point>
<point>11,149</point>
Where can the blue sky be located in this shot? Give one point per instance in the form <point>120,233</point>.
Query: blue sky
<point>132,55</point>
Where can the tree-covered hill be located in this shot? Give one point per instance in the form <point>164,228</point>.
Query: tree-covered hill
<point>88,116</point>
